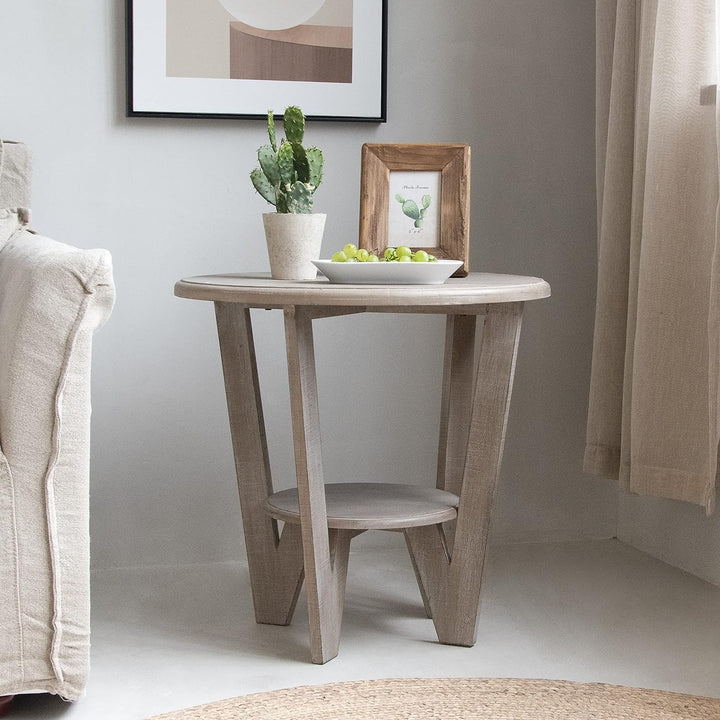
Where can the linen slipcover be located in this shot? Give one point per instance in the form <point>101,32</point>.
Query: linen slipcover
<point>15,174</point>
<point>52,298</point>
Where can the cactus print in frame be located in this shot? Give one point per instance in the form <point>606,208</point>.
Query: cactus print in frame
<point>413,211</point>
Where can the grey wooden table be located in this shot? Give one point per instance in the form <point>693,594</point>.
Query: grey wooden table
<point>446,527</point>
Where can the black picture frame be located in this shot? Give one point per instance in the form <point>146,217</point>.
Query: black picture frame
<point>152,93</point>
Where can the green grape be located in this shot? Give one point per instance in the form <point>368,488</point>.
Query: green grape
<point>351,253</point>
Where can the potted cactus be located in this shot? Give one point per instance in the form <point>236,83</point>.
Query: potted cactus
<point>287,177</point>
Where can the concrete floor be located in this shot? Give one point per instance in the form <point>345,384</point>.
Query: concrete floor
<point>596,611</point>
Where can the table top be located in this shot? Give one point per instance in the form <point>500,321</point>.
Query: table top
<point>260,290</point>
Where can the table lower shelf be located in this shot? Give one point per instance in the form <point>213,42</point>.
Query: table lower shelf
<point>371,506</point>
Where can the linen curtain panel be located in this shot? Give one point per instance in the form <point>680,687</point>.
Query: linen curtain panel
<point>654,393</point>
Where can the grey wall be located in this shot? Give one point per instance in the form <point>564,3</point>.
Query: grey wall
<point>170,198</point>
<point>678,533</point>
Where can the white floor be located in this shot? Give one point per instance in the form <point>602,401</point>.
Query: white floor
<point>167,638</point>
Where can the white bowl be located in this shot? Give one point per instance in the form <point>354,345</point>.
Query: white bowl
<point>388,273</point>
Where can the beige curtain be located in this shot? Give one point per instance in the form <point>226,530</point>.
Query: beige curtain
<point>653,406</point>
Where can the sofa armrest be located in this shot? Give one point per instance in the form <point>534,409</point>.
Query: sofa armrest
<point>52,299</point>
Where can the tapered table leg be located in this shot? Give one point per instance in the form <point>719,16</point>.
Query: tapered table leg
<point>455,409</point>
<point>325,554</point>
<point>452,578</point>
<point>457,400</point>
<point>275,563</point>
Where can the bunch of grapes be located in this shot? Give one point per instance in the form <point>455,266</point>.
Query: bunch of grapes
<point>402,253</point>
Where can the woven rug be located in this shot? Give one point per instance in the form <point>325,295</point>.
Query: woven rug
<point>457,698</point>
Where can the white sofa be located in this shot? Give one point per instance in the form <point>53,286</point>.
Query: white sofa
<point>52,299</point>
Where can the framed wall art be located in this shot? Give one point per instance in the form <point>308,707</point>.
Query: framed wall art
<point>241,58</point>
<point>416,195</point>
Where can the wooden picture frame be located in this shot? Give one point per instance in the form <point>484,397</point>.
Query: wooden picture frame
<point>417,195</point>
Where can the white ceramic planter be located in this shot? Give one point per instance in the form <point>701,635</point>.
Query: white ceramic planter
<point>293,241</point>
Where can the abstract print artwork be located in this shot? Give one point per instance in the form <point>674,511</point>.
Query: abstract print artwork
<point>307,41</point>
<point>243,57</point>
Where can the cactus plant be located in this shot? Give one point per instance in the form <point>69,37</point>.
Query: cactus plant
<point>411,209</point>
<point>289,173</point>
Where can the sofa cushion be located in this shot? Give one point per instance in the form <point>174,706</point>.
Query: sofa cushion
<point>15,178</point>
<point>52,298</point>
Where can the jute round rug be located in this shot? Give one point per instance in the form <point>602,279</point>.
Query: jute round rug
<point>457,698</point>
